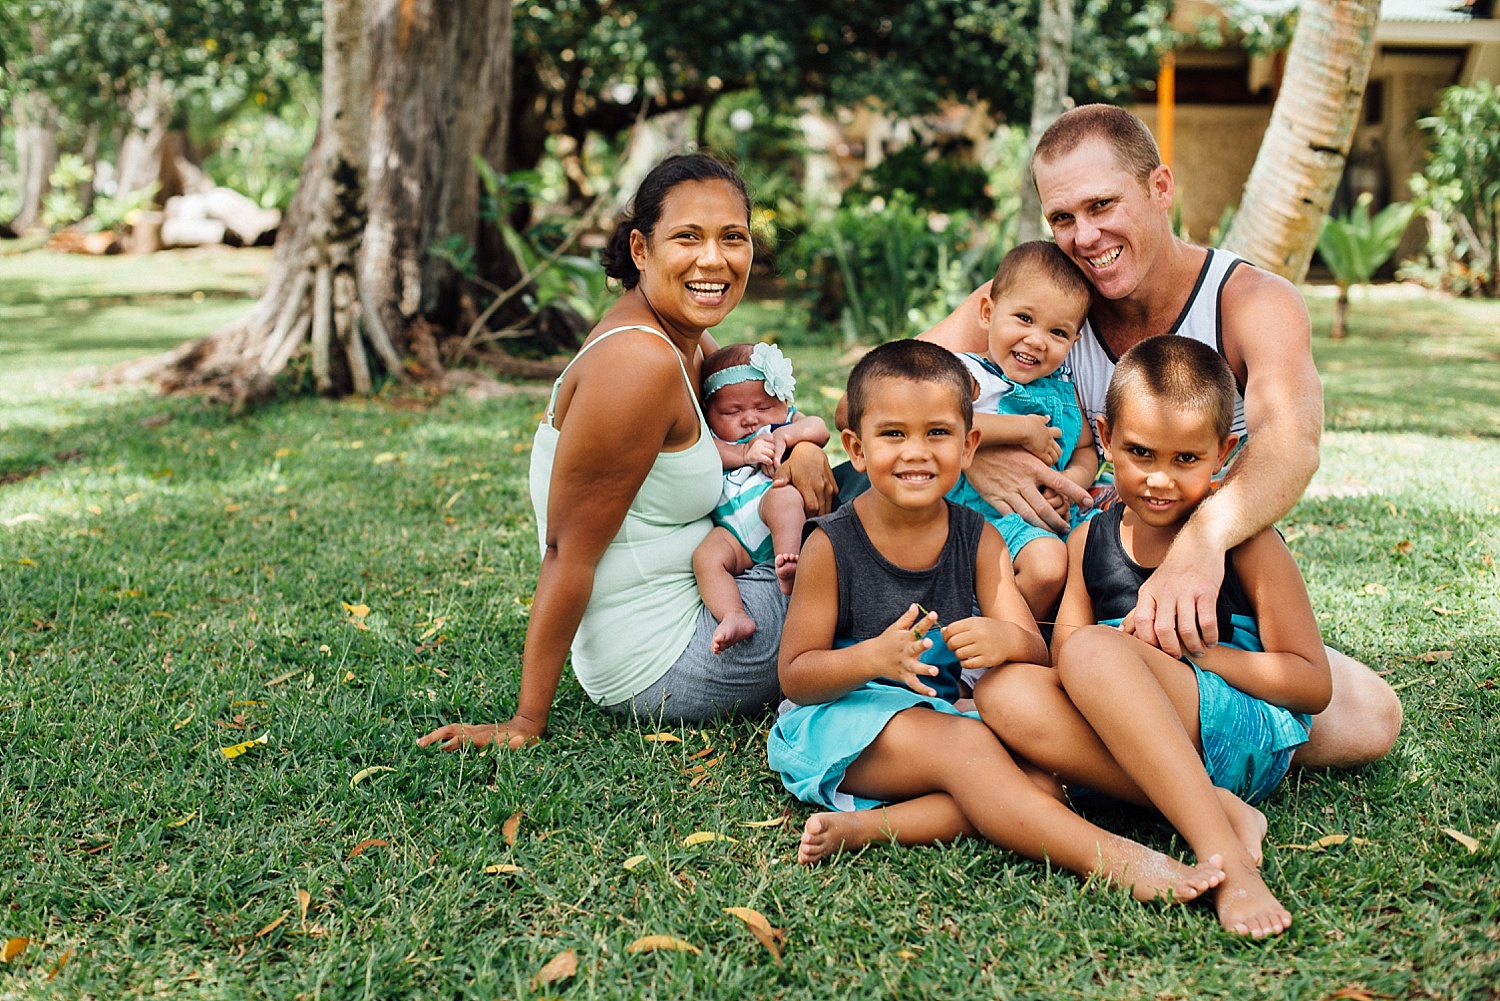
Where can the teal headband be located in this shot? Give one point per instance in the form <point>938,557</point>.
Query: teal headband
<point>767,364</point>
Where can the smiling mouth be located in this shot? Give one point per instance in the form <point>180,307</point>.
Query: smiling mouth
<point>1024,358</point>
<point>1105,259</point>
<point>708,288</point>
<point>916,477</point>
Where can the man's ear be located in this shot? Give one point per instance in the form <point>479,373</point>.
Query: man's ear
<point>1101,432</point>
<point>1225,449</point>
<point>853,449</point>
<point>1162,185</point>
<point>638,249</point>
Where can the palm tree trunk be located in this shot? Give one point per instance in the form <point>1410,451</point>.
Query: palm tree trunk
<point>1302,155</point>
<point>1340,315</point>
<point>1049,97</point>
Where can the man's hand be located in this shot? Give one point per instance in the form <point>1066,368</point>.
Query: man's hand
<point>1011,479</point>
<point>518,733</point>
<point>1176,609</point>
<point>806,468</point>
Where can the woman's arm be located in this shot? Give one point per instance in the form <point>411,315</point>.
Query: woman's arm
<point>608,443</point>
<point>1004,631</point>
<point>1076,609</point>
<point>1293,672</point>
<point>811,670</point>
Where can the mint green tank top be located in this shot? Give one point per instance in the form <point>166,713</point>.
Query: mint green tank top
<point>645,603</point>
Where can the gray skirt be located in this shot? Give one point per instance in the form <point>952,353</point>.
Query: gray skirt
<point>741,681</point>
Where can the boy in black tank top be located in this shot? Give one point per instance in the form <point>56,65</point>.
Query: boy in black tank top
<point>871,678</point>
<point>1194,739</point>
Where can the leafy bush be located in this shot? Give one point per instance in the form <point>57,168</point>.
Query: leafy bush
<point>940,183</point>
<point>261,154</point>
<point>887,269</point>
<point>1354,246</point>
<point>1461,189</point>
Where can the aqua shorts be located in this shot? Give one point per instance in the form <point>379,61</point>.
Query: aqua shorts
<point>812,746</point>
<point>1247,742</point>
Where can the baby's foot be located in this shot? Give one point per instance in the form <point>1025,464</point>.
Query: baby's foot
<point>1164,878</point>
<point>735,627</point>
<point>825,835</point>
<point>786,571</point>
<point>1247,907</point>
<point>1249,823</point>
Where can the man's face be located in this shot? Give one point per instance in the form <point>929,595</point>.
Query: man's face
<point>1109,223</point>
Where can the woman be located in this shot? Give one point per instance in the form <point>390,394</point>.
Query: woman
<point>624,473</point>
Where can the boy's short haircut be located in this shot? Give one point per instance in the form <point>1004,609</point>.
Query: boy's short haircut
<point>1126,135</point>
<point>910,361</point>
<point>1045,258</point>
<point>726,357</point>
<point>1186,374</point>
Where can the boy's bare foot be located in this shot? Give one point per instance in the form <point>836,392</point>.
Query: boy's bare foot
<point>735,627</point>
<point>1154,876</point>
<point>825,835</point>
<point>1249,823</point>
<point>786,571</point>
<point>1246,905</point>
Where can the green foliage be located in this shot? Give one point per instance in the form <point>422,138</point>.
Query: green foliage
<point>939,183</point>
<point>887,269</point>
<point>1354,246</point>
<point>261,154</point>
<point>1461,186</point>
<point>62,206</point>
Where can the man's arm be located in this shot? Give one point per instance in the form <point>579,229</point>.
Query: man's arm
<point>1268,344</point>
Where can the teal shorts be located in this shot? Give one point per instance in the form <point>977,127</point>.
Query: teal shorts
<point>1247,742</point>
<point>812,746</point>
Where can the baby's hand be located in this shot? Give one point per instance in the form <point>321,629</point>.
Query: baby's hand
<point>898,651</point>
<point>975,641</point>
<point>1059,503</point>
<point>761,451</point>
<point>1041,438</point>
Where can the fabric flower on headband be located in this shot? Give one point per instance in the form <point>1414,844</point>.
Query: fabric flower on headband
<point>767,364</point>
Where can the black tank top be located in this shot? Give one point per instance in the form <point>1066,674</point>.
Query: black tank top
<point>1114,580</point>
<point>874,592</point>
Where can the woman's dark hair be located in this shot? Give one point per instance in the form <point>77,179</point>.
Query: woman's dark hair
<point>647,205</point>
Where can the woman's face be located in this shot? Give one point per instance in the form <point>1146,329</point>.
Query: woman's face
<point>697,260</point>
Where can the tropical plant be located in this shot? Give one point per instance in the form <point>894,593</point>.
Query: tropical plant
<point>1354,246</point>
<point>1461,186</point>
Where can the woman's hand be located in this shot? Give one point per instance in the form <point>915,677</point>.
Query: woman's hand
<point>518,733</point>
<point>807,469</point>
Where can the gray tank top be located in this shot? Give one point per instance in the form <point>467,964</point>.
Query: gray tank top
<point>874,592</point>
<point>1201,319</point>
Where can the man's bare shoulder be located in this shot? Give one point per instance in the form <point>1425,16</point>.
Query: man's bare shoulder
<point>1261,309</point>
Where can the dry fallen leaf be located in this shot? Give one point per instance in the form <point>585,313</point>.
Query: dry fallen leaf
<point>559,967</point>
<point>1375,589</point>
<point>367,844</point>
<point>365,773</point>
<point>906,954</point>
<point>1433,656</point>
<point>703,837</point>
<point>665,738</point>
<point>182,820</point>
<point>502,869</point>
<point>511,826</point>
<point>1351,994</point>
<point>268,929</point>
<point>662,943</point>
<point>1472,844</point>
<point>358,611</point>
<point>303,899</point>
<point>1328,841</point>
<point>773,822</point>
<point>61,962</point>
<point>13,948</point>
<point>1405,545</point>
<point>634,860</point>
<point>769,937</point>
<point>236,750</point>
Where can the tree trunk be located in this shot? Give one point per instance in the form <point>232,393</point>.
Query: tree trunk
<point>1340,315</point>
<point>139,162</point>
<point>412,92</point>
<point>36,150</point>
<point>1048,100</point>
<point>1302,155</point>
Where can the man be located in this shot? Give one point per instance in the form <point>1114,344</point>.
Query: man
<point>1108,197</point>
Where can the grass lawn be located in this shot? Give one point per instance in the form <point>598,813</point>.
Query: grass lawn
<point>337,578</point>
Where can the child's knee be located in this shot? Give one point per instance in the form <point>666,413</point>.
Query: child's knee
<point>1091,652</point>
<point>782,501</point>
<point>1047,561</point>
<point>715,553</point>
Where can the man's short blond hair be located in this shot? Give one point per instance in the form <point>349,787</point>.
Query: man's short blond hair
<point>1125,134</point>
